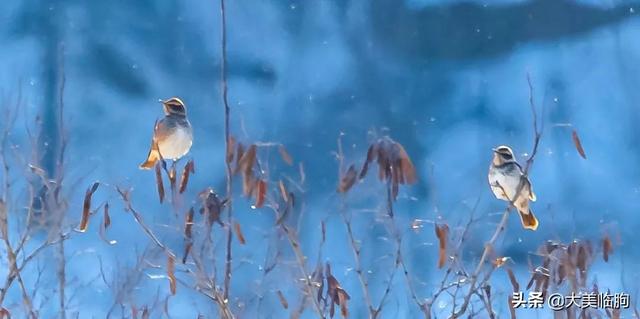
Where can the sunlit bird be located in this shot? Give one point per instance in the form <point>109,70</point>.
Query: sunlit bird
<point>506,178</point>
<point>172,135</point>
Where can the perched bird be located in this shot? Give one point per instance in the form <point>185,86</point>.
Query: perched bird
<point>506,178</point>
<point>172,135</point>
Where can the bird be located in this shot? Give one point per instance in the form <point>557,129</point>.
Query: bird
<point>506,178</point>
<point>172,135</point>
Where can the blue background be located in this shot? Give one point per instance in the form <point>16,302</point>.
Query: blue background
<point>447,79</point>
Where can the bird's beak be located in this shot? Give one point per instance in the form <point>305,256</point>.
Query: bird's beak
<point>494,150</point>
<point>161,101</point>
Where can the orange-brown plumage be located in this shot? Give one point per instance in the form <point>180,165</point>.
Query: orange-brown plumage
<point>172,135</point>
<point>509,183</point>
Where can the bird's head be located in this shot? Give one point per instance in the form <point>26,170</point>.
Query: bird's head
<point>502,154</point>
<point>174,106</point>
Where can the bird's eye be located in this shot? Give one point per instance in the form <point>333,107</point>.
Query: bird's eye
<point>506,156</point>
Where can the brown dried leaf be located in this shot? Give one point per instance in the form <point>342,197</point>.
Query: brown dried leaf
<point>532,280</point>
<point>343,297</point>
<point>288,204</point>
<point>383,162</point>
<point>159,182</point>
<point>371,154</point>
<point>336,293</point>
<point>581,262</point>
<point>260,193</point>
<point>239,234</point>
<point>285,155</point>
<point>230,146</point>
<point>442,233</point>
<point>545,285</point>
<point>347,180</point>
<point>408,170</point>
<point>187,249</point>
<point>578,144</point>
<point>283,300</point>
<point>283,191</point>
<point>248,184</point>
<point>394,164</point>
<point>172,177</point>
<point>94,187</point>
<point>245,165</point>
<point>607,248</point>
<point>239,155</point>
<point>500,261</point>
<point>248,160</point>
<point>106,222</point>
<point>188,223</point>
<point>184,180</point>
<point>171,269</point>
<point>512,279</point>
<point>86,207</point>
<point>107,219</point>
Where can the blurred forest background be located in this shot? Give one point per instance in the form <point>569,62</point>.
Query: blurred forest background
<point>446,79</point>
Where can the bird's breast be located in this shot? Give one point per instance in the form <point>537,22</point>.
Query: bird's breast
<point>508,179</point>
<point>176,144</point>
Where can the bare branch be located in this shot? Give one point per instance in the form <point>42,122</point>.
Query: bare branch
<point>505,216</point>
<point>227,138</point>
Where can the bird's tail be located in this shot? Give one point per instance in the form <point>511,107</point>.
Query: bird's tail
<point>152,158</point>
<point>528,219</point>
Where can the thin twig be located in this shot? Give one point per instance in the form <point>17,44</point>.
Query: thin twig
<point>300,258</point>
<point>138,218</point>
<point>223,76</point>
<point>352,241</point>
<point>60,176</point>
<point>505,216</point>
<point>393,231</point>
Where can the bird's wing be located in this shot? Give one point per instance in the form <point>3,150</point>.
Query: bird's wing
<point>162,129</point>
<point>532,195</point>
<point>154,153</point>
